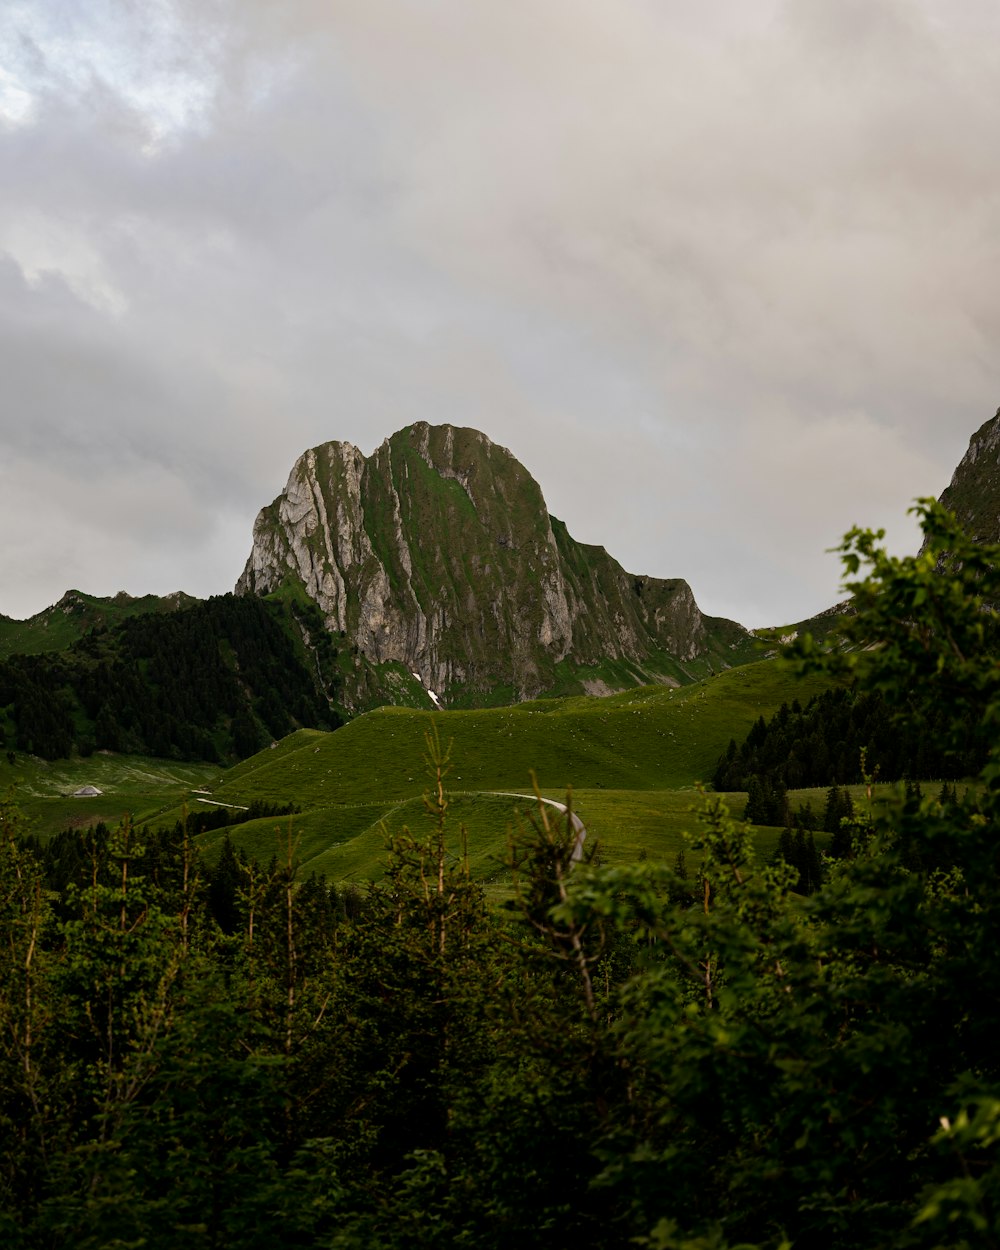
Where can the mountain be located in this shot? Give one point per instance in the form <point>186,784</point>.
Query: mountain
<point>973,495</point>
<point>438,562</point>
<point>76,614</point>
<point>215,680</point>
<point>429,572</point>
<point>974,492</point>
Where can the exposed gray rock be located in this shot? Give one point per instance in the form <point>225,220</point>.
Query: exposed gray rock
<point>974,491</point>
<point>438,552</point>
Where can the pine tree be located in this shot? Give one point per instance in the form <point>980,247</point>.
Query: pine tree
<point>755,811</point>
<point>224,886</point>
<point>812,865</point>
<point>786,847</point>
<point>832,811</point>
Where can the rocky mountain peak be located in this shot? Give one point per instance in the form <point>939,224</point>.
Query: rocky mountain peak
<point>438,555</point>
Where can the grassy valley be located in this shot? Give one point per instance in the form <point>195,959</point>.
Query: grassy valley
<point>136,784</point>
<point>632,760</point>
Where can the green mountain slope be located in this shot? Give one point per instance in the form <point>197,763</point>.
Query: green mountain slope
<point>77,614</point>
<point>214,681</point>
<point>974,491</point>
<point>647,738</point>
<point>631,758</point>
<point>145,787</point>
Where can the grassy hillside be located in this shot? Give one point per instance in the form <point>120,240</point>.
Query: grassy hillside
<point>824,628</point>
<point>129,783</point>
<point>633,760</point>
<point>651,738</point>
<point>348,843</point>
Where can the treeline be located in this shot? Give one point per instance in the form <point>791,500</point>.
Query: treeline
<point>796,844</point>
<point>215,681</point>
<point>77,859</point>
<point>767,805</point>
<point>822,743</point>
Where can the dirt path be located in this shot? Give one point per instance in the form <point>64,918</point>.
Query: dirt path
<point>579,828</point>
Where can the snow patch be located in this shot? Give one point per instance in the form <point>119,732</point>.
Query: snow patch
<point>436,701</point>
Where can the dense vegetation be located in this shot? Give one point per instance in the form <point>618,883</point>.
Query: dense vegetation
<point>822,744</point>
<point>217,680</point>
<point>644,1055</point>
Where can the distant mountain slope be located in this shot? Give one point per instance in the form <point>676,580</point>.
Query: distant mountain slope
<point>436,555</point>
<point>217,680</point>
<point>76,614</point>
<point>824,627</point>
<point>974,491</point>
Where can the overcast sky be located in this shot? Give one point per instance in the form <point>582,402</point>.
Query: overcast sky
<point>725,277</point>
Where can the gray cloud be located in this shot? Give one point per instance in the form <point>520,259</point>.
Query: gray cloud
<point>723,281</point>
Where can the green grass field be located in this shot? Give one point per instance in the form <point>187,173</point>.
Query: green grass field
<point>132,784</point>
<point>633,761</point>
<point>654,737</point>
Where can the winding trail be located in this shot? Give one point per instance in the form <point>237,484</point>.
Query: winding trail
<point>579,828</point>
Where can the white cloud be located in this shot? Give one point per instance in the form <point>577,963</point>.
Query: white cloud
<point>43,246</point>
<point>721,276</point>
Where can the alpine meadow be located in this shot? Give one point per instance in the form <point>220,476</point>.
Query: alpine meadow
<point>448,885</point>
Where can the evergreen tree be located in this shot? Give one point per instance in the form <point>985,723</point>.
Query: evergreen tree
<point>756,810</point>
<point>223,887</point>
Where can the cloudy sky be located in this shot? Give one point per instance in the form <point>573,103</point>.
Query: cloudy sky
<point>723,276</point>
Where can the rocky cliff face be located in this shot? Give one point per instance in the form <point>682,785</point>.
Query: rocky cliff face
<point>974,492</point>
<point>437,553</point>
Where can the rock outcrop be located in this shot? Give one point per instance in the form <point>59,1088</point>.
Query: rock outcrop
<point>437,552</point>
<point>974,491</point>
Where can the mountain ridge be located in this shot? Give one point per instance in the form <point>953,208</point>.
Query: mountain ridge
<point>77,613</point>
<point>432,565</point>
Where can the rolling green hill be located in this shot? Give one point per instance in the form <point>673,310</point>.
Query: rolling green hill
<point>632,759</point>
<point>143,786</point>
<point>653,737</point>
